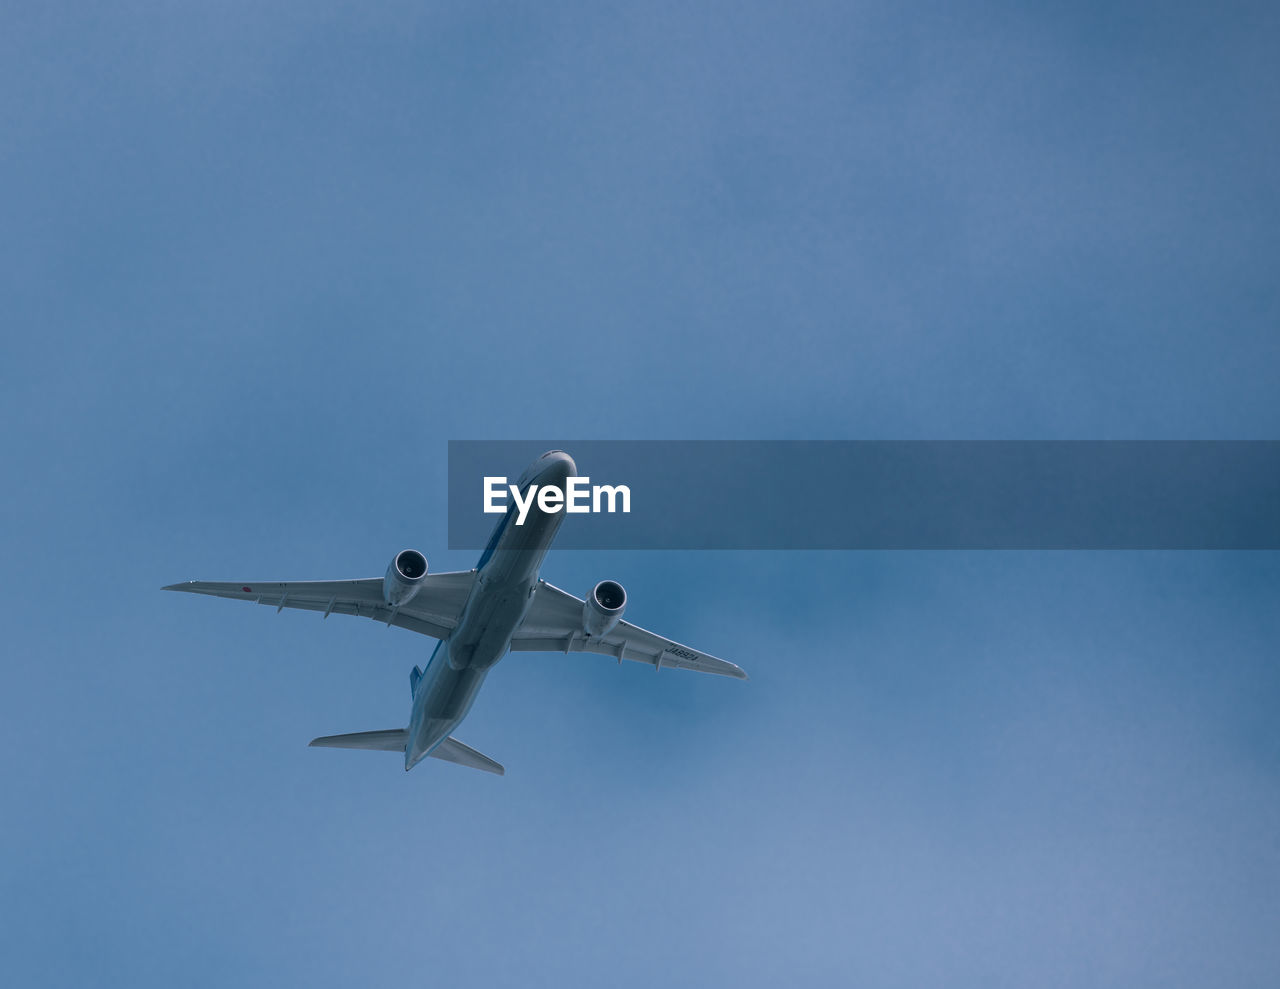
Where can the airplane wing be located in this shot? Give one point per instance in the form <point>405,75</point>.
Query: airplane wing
<point>433,611</point>
<point>554,624</point>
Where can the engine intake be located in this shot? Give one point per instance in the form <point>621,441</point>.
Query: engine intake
<point>603,608</point>
<point>404,577</point>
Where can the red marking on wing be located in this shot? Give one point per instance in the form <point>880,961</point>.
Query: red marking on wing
<point>247,590</point>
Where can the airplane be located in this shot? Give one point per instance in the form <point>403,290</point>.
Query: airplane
<point>478,616</point>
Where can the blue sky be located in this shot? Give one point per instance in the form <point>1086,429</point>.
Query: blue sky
<point>260,262</point>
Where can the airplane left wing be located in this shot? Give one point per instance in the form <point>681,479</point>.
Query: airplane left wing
<point>554,624</point>
<point>433,611</point>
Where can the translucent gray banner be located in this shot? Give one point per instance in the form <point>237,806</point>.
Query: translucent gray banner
<point>782,494</point>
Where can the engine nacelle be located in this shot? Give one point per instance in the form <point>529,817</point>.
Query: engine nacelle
<point>603,608</point>
<point>404,577</point>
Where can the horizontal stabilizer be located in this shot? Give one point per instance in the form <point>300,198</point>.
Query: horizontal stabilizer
<point>394,740</point>
<point>383,741</point>
<point>451,750</point>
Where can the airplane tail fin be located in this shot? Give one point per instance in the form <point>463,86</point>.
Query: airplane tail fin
<point>415,675</point>
<point>395,740</point>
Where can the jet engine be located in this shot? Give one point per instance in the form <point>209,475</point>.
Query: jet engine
<point>603,608</point>
<point>404,577</point>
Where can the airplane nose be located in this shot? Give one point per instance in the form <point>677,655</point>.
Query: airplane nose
<point>550,469</point>
<point>556,466</point>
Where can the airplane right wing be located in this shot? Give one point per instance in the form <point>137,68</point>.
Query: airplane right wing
<point>434,610</point>
<point>553,623</point>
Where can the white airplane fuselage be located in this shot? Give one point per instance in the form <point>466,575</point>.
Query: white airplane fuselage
<point>507,575</point>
